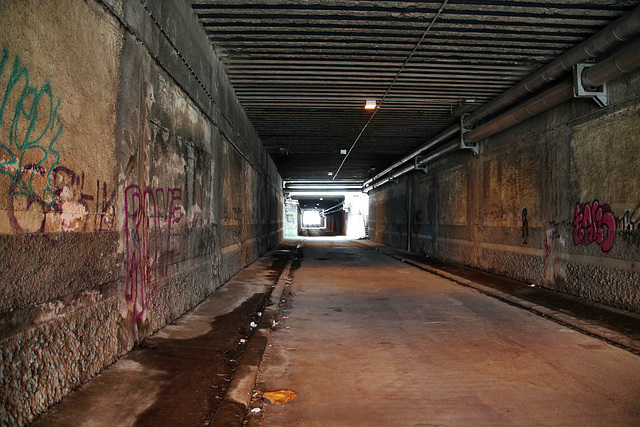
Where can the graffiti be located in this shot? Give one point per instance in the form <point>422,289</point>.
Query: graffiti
<point>417,217</point>
<point>31,118</point>
<point>493,216</point>
<point>70,206</point>
<point>630,220</point>
<point>547,246</point>
<point>525,226</point>
<point>42,194</point>
<point>594,223</point>
<point>197,220</point>
<point>236,214</point>
<point>152,240</point>
<point>237,237</point>
<point>552,235</point>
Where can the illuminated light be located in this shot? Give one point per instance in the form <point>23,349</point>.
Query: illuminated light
<point>330,173</point>
<point>370,104</point>
<point>343,151</point>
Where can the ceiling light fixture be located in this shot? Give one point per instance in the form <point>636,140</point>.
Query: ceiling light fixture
<point>370,104</point>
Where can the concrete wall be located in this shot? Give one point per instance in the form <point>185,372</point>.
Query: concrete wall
<point>132,185</point>
<point>554,201</point>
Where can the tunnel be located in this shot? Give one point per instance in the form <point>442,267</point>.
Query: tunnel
<point>320,212</point>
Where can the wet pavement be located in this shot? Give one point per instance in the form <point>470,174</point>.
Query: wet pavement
<point>372,337</point>
<point>179,376</point>
<point>365,339</point>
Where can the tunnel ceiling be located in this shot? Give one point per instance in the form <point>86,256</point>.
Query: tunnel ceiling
<point>302,70</point>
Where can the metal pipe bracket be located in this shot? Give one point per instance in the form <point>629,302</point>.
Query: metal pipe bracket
<point>599,94</point>
<point>416,162</point>
<point>473,146</point>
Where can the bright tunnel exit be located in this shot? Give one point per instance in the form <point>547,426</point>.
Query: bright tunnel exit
<point>312,218</point>
<point>326,214</point>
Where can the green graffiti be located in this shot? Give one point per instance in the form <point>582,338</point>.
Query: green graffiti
<point>35,127</point>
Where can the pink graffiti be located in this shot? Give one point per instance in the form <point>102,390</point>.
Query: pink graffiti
<point>590,222</point>
<point>547,247</point>
<point>152,244</point>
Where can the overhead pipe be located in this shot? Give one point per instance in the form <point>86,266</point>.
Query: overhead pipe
<point>333,209</point>
<point>548,99</point>
<point>320,181</point>
<point>624,28</point>
<point>319,184</point>
<point>316,188</point>
<point>449,148</point>
<point>625,61</point>
<point>447,134</point>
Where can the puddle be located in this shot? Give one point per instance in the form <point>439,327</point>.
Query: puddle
<point>195,373</point>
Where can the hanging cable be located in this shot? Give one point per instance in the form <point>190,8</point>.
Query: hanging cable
<point>415,49</point>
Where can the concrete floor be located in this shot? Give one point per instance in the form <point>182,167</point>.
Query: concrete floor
<point>368,340</point>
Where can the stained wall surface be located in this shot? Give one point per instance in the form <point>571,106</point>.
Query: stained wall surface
<point>553,201</point>
<point>132,185</point>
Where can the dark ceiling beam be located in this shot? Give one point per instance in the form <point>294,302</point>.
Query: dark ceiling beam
<point>239,66</point>
<point>414,6</point>
<point>424,16</point>
<point>337,26</point>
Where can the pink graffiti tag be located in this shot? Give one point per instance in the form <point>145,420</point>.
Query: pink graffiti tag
<point>589,223</point>
<point>151,216</point>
